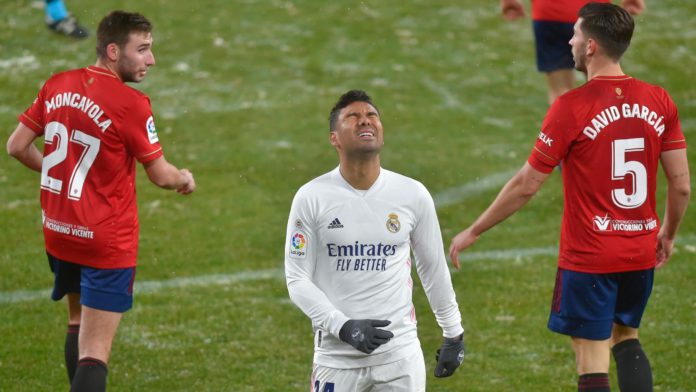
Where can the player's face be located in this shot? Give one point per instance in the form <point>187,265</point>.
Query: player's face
<point>578,44</point>
<point>358,130</point>
<point>136,57</point>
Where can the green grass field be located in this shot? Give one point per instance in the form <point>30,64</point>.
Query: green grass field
<point>241,94</point>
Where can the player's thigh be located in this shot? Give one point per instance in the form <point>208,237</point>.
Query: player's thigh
<point>105,295</point>
<point>326,379</point>
<point>583,304</point>
<point>407,375</point>
<point>635,288</point>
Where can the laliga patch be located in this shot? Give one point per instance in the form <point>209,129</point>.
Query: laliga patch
<point>151,131</point>
<point>298,245</point>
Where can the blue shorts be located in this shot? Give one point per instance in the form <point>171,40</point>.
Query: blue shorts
<point>552,48</point>
<point>103,289</point>
<point>587,305</point>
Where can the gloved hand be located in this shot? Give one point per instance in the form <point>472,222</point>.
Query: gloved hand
<point>363,335</point>
<point>449,356</point>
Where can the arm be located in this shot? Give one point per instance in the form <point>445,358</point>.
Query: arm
<point>511,9</point>
<point>20,146</point>
<point>300,261</point>
<point>676,167</point>
<point>634,7</point>
<point>514,195</point>
<point>167,176</point>
<point>431,264</point>
<point>310,299</point>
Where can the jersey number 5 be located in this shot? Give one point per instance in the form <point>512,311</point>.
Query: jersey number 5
<point>622,167</point>
<point>58,133</point>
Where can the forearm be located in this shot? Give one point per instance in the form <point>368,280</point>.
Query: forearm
<point>171,178</point>
<point>167,176</point>
<point>20,146</point>
<point>676,168</point>
<point>314,303</point>
<point>30,157</point>
<point>511,198</point>
<point>675,208</point>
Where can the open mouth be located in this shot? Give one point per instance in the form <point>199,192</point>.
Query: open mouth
<point>366,134</point>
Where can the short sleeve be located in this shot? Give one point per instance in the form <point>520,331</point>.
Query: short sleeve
<point>672,136</point>
<point>139,133</point>
<point>33,117</point>
<point>554,138</point>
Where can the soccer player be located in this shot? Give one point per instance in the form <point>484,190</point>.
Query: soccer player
<point>552,22</point>
<point>348,266</point>
<point>610,133</point>
<point>95,128</point>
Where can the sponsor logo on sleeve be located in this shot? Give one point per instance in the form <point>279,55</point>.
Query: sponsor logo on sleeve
<point>151,130</point>
<point>298,245</point>
<point>545,139</point>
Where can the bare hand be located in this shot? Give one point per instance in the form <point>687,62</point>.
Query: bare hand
<point>664,250</point>
<point>190,184</point>
<point>511,9</point>
<point>460,242</point>
<point>634,7</point>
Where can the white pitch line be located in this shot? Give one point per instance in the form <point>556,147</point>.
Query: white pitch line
<point>506,254</point>
<point>16,62</point>
<point>457,194</point>
<point>449,99</point>
<point>156,286</point>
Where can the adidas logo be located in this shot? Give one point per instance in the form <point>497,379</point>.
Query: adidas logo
<point>336,224</point>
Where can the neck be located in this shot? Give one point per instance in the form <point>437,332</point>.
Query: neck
<point>608,68</point>
<point>360,173</point>
<point>101,63</point>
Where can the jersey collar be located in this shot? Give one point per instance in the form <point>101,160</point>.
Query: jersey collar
<point>337,174</point>
<point>101,71</point>
<point>613,78</point>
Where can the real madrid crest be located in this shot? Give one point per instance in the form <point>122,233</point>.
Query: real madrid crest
<point>393,223</point>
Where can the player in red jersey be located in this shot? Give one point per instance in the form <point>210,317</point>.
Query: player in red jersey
<point>610,134</point>
<point>95,128</point>
<point>552,22</point>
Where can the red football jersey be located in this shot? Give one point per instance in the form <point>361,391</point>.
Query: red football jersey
<point>94,128</point>
<point>608,136</point>
<point>559,10</point>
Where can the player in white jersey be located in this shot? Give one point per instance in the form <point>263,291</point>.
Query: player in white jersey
<point>348,267</point>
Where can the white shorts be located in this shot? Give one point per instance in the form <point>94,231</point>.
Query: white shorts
<point>406,375</point>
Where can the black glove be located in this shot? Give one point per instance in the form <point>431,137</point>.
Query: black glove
<point>363,335</point>
<point>449,356</point>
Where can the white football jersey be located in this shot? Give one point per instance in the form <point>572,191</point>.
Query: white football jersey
<point>348,256</point>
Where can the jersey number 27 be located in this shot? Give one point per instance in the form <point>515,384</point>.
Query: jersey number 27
<point>58,133</point>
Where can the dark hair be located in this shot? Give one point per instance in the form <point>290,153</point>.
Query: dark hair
<point>117,26</point>
<point>609,24</point>
<point>345,100</point>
